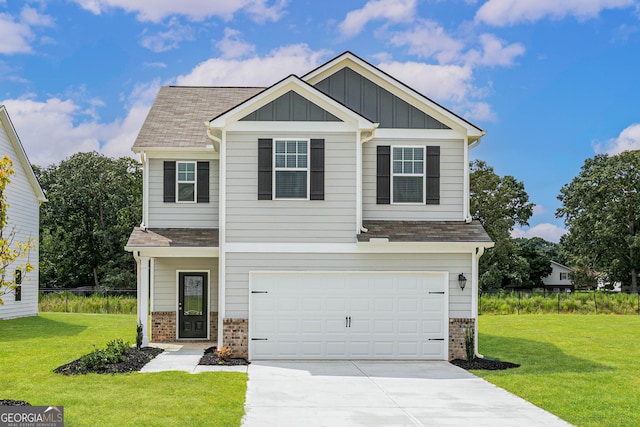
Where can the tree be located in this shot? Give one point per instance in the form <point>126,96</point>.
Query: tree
<point>601,210</point>
<point>499,203</point>
<point>94,203</point>
<point>12,253</point>
<point>539,262</point>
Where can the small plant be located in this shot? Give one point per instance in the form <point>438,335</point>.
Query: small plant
<point>115,352</point>
<point>469,344</point>
<point>224,353</point>
<point>139,335</point>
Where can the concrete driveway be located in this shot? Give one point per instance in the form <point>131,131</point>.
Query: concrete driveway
<point>370,393</point>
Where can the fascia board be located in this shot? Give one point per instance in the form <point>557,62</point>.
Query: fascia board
<point>178,152</point>
<point>300,127</point>
<point>422,134</point>
<point>360,247</point>
<point>174,252</point>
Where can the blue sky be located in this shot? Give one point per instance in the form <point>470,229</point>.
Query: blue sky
<point>552,82</point>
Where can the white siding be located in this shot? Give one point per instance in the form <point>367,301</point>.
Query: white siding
<point>253,220</point>
<point>165,290</point>
<point>181,215</point>
<point>554,278</point>
<point>452,170</point>
<point>23,217</point>
<point>239,265</point>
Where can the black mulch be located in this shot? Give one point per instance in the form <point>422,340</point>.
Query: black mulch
<point>210,358</point>
<point>9,402</point>
<point>483,364</point>
<point>135,360</point>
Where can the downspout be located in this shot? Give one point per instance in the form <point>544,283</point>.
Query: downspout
<point>359,206</point>
<point>145,191</point>
<point>216,140</point>
<point>474,300</point>
<point>222,255</point>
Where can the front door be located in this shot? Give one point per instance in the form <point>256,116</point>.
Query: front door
<point>192,305</point>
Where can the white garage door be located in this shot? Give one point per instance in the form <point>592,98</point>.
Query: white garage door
<point>348,315</point>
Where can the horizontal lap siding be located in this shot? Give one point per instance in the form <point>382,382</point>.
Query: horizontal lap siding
<point>165,290</point>
<point>451,185</point>
<point>328,220</point>
<point>181,215</point>
<point>23,219</point>
<point>239,265</point>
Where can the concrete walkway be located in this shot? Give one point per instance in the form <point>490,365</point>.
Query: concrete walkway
<point>184,357</point>
<point>370,393</point>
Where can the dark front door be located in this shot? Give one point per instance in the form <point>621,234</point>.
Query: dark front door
<point>192,305</point>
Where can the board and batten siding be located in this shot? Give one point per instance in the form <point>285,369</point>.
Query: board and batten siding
<point>239,265</point>
<point>181,215</point>
<point>165,289</point>
<point>452,171</point>
<point>23,218</point>
<point>330,220</point>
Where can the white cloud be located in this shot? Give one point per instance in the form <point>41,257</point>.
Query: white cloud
<point>628,140</point>
<point>30,16</point>
<point>539,210</point>
<point>232,45</point>
<point>502,13</point>
<point>197,10</point>
<point>254,71</point>
<point>427,39</point>
<point>495,52</point>
<point>389,10</point>
<point>16,36</point>
<point>168,40</point>
<point>549,232</point>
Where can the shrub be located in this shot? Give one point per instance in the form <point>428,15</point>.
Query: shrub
<point>139,335</point>
<point>115,352</point>
<point>469,346</point>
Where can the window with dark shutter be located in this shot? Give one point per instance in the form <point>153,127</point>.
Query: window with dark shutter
<point>316,174</point>
<point>265,169</point>
<point>169,182</point>
<point>383,175</point>
<point>203,182</point>
<point>433,175</point>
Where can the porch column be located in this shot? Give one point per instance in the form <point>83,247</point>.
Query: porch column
<point>143,298</point>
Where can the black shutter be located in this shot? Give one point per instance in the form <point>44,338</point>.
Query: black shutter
<point>383,175</point>
<point>169,182</point>
<point>203,182</point>
<point>433,175</point>
<point>316,171</point>
<point>265,169</point>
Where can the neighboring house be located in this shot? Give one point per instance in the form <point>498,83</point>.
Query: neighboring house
<point>24,196</point>
<point>559,278</point>
<point>323,217</point>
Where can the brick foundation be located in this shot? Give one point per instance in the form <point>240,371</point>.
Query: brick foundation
<point>236,335</point>
<point>163,327</point>
<point>457,329</point>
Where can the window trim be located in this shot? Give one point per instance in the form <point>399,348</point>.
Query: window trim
<point>423,174</point>
<point>276,169</point>
<point>195,181</point>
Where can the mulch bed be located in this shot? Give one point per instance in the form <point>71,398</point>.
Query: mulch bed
<point>210,358</point>
<point>483,364</point>
<point>135,360</point>
<point>9,402</point>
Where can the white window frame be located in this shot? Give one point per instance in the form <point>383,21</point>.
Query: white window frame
<point>194,182</point>
<point>280,169</point>
<point>424,174</point>
<point>565,274</point>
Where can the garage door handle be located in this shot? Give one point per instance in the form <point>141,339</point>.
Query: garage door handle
<point>436,339</point>
<point>259,339</point>
<point>347,321</point>
<point>259,292</point>
<point>442,292</point>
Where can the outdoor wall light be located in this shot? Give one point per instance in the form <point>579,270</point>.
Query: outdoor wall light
<point>462,281</point>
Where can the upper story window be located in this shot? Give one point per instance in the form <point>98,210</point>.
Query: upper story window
<point>564,276</point>
<point>408,174</point>
<point>291,168</point>
<point>186,182</point>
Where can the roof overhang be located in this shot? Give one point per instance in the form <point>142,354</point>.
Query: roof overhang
<point>173,252</point>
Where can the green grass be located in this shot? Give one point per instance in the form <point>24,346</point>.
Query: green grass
<point>30,348</point>
<point>583,369</point>
<point>67,302</point>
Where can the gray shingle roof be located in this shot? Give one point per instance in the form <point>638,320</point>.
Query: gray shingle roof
<point>177,116</point>
<point>173,237</point>
<point>425,231</point>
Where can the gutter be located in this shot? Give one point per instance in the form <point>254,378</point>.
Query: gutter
<point>478,254</point>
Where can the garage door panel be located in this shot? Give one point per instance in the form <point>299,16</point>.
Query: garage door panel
<point>432,327</point>
<point>383,326</point>
<point>408,326</point>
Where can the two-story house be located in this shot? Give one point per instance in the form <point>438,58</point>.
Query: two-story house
<point>324,217</point>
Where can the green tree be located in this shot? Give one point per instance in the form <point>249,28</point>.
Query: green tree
<point>13,253</point>
<point>601,210</point>
<point>499,203</point>
<point>94,203</point>
<point>535,252</point>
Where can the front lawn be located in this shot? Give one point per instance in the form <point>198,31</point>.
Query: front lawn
<point>582,368</point>
<point>31,348</point>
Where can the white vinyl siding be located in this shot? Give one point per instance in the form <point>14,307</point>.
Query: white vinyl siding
<point>330,220</point>
<point>165,290</point>
<point>239,265</point>
<point>23,218</point>
<point>181,215</point>
<point>452,169</point>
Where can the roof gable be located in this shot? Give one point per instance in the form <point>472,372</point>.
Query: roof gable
<point>5,122</point>
<point>291,107</point>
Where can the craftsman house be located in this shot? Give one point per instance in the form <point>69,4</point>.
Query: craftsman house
<point>323,217</point>
<point>23,195</point>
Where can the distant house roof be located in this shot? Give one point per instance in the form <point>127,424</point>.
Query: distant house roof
<point>561,265</point>
<point>173,237</point>
<point>177,116</point>
<point>425,231</point>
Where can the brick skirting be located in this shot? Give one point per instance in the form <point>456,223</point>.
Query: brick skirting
<point>236,336</point>
<point>163,327</point>
<point>457,329</point>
